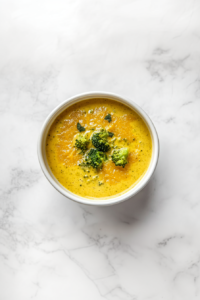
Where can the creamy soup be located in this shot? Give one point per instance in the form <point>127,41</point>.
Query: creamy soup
<point>126,130</point>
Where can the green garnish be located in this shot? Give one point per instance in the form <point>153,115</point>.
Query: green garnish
<point>80,128</point>
<point>108,118</point>
<point>110,134</point>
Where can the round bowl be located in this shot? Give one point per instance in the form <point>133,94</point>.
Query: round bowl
<point>97,201</point>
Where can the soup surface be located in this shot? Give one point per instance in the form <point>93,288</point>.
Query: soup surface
<point>67,162</point>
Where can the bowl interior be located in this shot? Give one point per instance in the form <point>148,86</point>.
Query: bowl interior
<point>97,201</point>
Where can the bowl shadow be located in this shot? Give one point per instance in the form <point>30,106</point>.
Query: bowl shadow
<point>129,211</point>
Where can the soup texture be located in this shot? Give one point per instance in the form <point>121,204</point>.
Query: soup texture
<point>72,165</point>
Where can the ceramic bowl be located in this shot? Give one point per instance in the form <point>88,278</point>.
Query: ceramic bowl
<point>97,201</point>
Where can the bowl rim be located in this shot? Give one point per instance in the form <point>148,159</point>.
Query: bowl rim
<point>97,201</point>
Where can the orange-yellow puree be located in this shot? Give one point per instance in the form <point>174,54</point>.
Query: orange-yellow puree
<point>129,131</point>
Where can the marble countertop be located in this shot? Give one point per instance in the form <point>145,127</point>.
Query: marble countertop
<point>147,247</point>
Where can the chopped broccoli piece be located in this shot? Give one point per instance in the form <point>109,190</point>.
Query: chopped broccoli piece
<point>82,143</point>
<point>110,134</point>
<point>99,140</point>
<point>95,158</point>
<point>119,157</point>
<point>108,118</point>
<point>80,128</point>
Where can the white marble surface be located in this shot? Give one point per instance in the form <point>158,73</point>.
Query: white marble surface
<point>145,248</point>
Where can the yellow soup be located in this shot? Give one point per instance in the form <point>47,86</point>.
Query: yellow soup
<point>129,132</point>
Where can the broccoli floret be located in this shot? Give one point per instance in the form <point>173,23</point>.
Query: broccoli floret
<point>119,157</point>
<point>95,158</point>
<point>100,140</point>
<point>82,143</point>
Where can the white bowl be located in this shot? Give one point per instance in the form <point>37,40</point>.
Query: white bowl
<point>97,201</point>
